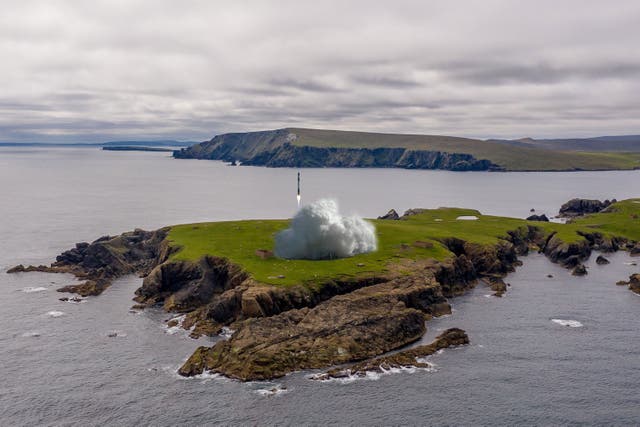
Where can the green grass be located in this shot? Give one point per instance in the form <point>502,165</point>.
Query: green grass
<point>513,158</point>
<point>238,241</point>
<point>621,219</point>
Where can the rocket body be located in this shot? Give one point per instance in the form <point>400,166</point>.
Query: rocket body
<point>298,195</point>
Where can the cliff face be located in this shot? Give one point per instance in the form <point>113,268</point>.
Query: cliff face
<point>277,149</point>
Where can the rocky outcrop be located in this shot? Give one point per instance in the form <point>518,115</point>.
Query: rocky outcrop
<point>542,218</point>
<point>107,258</point>
<point>579,270</point>
<point>350,327</point>
<point>277,149</point>
<point>392,215</point>
<point>567,254</point>
<point>577,207</point>
<point>633,283</point>
<point>402,359</point>
<point>183,286</point>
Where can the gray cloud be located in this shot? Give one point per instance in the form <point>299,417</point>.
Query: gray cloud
<point>75,70</point>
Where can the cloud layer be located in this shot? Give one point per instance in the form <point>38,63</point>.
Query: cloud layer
<point>318,231</point>
<point>77,70</point>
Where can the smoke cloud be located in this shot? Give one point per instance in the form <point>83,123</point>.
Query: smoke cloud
<point>318,231</point>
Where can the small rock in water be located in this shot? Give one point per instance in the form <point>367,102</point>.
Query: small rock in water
<point>579,270</point>
<point>550,276</point>
<point>601,260</point>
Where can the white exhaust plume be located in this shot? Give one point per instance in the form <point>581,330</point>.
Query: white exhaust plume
<point>318,231</point>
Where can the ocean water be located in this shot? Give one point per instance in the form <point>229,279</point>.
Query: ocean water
<point>554,351</point>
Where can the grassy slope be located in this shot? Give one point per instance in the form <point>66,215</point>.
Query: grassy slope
<point>511,157</point>
<point>238,241</point>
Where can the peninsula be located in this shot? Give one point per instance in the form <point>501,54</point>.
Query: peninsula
<point>297,147</point>
<point>288,315</point>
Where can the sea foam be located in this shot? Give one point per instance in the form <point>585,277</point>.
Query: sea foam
<point>55,313</point>
<point>30,290</point>
<point>569,323</point>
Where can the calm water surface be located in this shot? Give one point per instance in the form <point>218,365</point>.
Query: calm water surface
<point>60,367</point>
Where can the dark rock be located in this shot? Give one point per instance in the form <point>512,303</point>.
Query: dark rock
<point>577,207</point>
<point>567,254</point>
<point>407,358</point>
<point>364,323</point>
<point>184,286</point>
<point>542,217</point>
<point>392,215</point>
<point>22,269</point>
<point>634,283</point>
<point>106,259</point>
<point>550,276</point>
<point>579,270</point>
<point>602,260</point>
<point>498,286</point>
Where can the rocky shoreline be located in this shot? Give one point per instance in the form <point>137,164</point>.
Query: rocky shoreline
<point>281,329</point>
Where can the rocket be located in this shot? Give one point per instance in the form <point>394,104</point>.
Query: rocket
<point>298,196</point>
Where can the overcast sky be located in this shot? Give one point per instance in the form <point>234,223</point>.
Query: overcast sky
<point>99,70</point>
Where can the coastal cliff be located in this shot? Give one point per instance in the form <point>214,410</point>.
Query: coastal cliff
<point>277,149</point>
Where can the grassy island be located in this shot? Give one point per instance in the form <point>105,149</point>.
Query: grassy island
<point>417,236</point>
<point>290,315</point>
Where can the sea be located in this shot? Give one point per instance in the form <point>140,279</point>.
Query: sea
<point>558,350</point>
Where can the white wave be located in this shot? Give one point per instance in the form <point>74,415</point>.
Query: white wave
<point>171,330</point>
<point>30,334</point>
<point>376,375</point>
<point>55,313</point>
<point>565,322</point>
<point>273,391</point>
<point>30,290</point>
<point>74,300</point>
<point>631,263</point>
<point>467,218</point>
<point>226,332</point>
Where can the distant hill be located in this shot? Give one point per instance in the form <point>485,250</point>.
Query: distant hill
<point>163,143</point>
<point>297,147</point>
<point>623,143</point>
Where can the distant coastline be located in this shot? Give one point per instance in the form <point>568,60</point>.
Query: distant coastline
<point>319,148</point>
<point>160,144</point>
<point>140,148</point>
